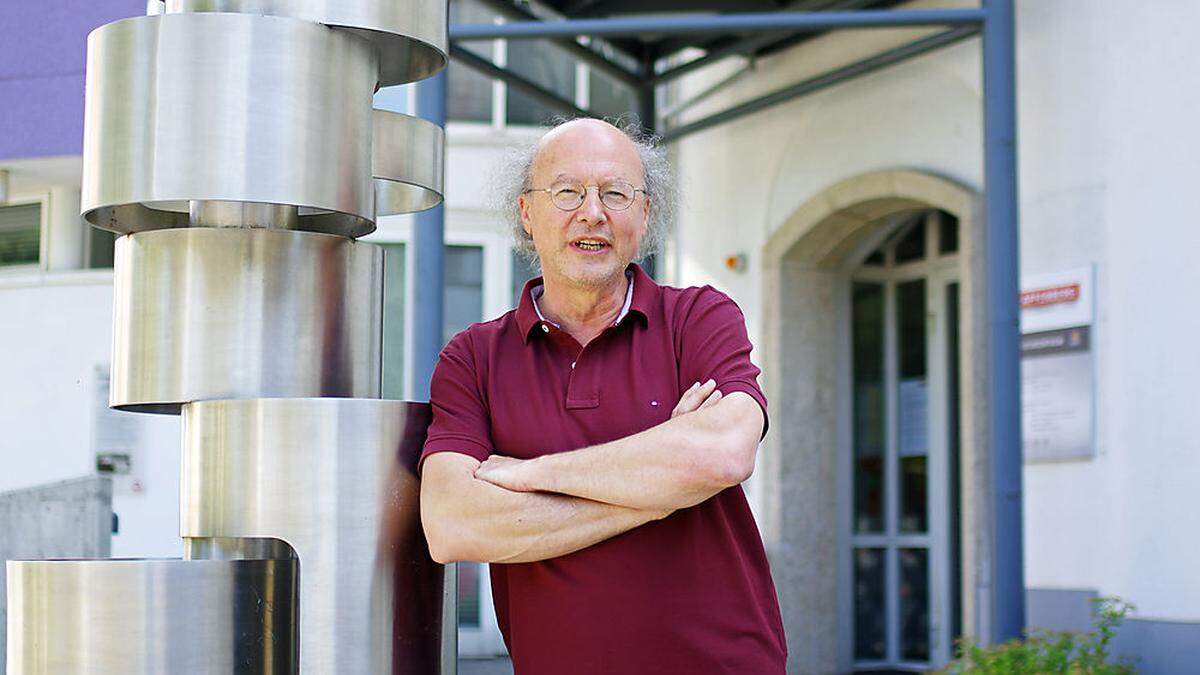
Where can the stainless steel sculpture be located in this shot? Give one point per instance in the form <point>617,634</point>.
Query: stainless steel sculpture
<point>233,144</point>
<point>202,313</point>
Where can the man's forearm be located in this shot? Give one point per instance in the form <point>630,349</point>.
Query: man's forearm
<point>555,525</point>
<point>487,523</point>
<point>676,464</point>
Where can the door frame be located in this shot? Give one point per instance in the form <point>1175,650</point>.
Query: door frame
<point>938,271</point>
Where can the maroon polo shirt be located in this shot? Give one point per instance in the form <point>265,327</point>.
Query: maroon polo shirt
<point>691,593</point>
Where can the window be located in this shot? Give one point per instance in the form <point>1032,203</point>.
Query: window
<point>394,287</point>
<point>546,65</point>
<point>469,94</point>
<point>20,234</point>
<point>522,271</point>
<point>463,304</point>
<point>464,289</point>
<point>607,97</point>
<point>99,249</point>
<point>550,66</point>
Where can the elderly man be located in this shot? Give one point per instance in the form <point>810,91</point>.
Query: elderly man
<point>591,443</point>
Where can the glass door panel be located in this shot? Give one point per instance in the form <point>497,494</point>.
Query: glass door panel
<point>870,597</point>
<point>869,431</point>
<point>913,400</point>
<point>914,604</point>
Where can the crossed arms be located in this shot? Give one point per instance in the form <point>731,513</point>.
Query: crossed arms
<point>509,510</point>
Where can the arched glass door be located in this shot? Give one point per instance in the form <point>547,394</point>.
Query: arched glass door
<point>904,446</point>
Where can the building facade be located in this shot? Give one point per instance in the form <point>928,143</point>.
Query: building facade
<point>848,226</point>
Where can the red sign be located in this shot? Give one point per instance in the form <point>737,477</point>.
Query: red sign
<point>1053,295</point>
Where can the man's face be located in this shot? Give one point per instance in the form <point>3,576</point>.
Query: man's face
<point>589,153</point>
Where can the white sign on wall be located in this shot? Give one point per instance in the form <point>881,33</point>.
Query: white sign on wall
<point>1057,383</point>
<point>117,440</point>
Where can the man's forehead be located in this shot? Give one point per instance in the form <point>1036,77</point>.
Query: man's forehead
<point>588,147</point>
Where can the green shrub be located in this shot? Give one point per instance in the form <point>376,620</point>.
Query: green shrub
<point>1045,651</point>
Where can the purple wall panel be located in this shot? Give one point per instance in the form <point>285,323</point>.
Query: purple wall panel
<point>43,47</point>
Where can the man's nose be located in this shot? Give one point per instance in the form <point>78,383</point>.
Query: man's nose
<point>592,209</point>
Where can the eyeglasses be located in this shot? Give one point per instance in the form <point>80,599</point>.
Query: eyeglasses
<point>617,195</point>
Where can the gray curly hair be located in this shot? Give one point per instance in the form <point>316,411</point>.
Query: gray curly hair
<point>515,176</point>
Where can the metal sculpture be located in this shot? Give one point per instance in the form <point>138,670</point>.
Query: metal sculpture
<point>233,145</point>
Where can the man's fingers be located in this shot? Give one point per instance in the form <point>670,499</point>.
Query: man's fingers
<point>694,397</point>
<point>711,400</point>
<point>682,406</point>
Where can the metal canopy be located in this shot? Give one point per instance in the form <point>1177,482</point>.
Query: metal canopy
<point>661,29</point>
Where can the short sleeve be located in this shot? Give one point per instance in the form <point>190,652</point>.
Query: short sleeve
<point>460,414</point>
<point>713,344</point>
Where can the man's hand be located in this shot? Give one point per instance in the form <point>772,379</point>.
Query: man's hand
<point>506,472</point>
<point>697,397</point>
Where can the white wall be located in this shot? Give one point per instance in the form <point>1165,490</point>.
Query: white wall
<point>1109,138</point>
<point>1106,141</point>
<point>57,329</point>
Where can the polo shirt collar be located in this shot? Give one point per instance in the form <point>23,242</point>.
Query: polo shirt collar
<point>638,300</point>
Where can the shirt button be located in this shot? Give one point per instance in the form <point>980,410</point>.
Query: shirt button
<point>572,364</point>
<point>545,328</point>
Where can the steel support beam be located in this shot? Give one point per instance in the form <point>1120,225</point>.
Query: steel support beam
<point>1006,594</point>
<point>428,257</point>
<point>745,45</point>
<point>719,23</point>
<point>750,44</point>
<point>834,77</point>
<point>527,87</point>
<point>429,250</point>
<point>647,102</point>
<point>581,52</point>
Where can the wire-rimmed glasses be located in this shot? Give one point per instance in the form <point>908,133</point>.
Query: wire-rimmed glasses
<point>617,195</point>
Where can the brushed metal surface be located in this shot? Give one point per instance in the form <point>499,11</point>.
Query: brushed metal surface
<point>231,548</point>
<point>242,214</point>
<point>206,313</point>
<point>336,480</point>
<point>228,107</point>
<point>408,160</point>
<point>116,617</point>
<point>410,35</point>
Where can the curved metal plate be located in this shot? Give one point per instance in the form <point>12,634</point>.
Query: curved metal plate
<point>227,107</point>
<point>411,35</point>
<point>336,479</point>
<point>407,161</point>
<point>204,313</point>
<point>116,617</point>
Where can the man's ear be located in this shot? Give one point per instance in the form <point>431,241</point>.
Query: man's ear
<point>523,205</point>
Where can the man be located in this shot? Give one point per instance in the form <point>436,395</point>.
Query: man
<point>591,443</point>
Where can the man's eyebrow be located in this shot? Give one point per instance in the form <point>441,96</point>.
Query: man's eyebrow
<point>608,178</point>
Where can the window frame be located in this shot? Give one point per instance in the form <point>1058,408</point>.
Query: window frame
<point>496,272</point>
<point>42,200</point>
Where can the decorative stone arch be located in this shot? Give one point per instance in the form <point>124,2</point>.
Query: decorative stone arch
<point>807,264</point>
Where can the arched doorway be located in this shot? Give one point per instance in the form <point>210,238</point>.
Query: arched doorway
<point>871,326</point>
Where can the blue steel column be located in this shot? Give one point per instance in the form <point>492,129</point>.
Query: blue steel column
<point>428,257</point>
<point>429,237</point>
<point>1007,598</point>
